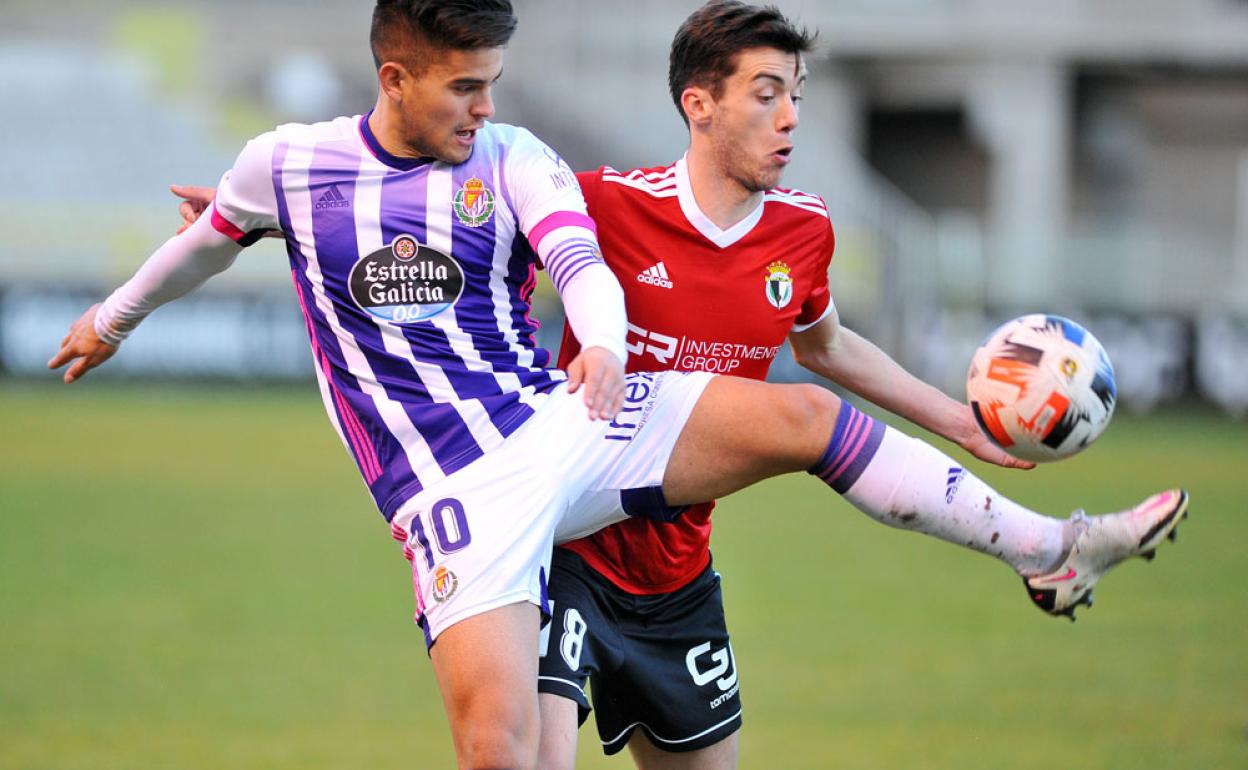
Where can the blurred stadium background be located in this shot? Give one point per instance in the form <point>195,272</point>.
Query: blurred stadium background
<point>190,576</point>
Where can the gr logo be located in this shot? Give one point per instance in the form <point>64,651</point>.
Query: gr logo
<point>721,662</point>
<point>661,346</point>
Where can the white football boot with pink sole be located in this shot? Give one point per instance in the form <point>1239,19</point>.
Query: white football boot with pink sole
<point>1102,542</point>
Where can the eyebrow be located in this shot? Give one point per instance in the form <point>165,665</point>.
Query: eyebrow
<point>475,81</point>
<point>777,79</point>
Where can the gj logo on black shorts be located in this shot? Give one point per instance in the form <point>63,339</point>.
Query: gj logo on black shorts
<point>406,282</point>
<point>722,670</point>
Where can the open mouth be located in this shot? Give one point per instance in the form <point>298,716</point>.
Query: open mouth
<point>782,155</point>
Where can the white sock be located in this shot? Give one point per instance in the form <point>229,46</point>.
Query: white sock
<point>911,485</point>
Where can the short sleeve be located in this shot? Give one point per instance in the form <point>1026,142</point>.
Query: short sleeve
<point>542,186</point>
<point>819,301</point>
<point>245,207</point>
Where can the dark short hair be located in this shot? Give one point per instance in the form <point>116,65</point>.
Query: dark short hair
<point>704,51</point>
<point>402,28</point>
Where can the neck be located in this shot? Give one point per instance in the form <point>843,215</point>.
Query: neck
<point>384,123</point>
<point>722,199</point>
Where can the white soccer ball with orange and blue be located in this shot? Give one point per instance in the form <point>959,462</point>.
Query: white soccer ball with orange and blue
<point>1041,388</point>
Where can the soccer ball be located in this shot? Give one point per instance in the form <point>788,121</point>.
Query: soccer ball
<point>1041,388</point>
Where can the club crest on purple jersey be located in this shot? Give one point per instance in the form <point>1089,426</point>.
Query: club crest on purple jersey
<point>474,203</point>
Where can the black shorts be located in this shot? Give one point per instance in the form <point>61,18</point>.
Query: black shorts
<point>660,663</point>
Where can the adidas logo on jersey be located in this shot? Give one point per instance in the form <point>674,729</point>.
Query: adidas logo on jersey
<point>655,275</point>
<point>332,199</point>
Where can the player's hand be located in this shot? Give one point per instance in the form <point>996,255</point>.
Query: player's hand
<point>975,442</point>
<point>82,346</point>
<point>196,201</point>
<point>602,374</point>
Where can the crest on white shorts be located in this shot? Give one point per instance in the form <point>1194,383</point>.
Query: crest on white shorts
<point>444,584</point>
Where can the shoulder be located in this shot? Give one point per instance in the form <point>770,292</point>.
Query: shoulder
<point>656,182</point>
<point>516,142</point>
<point>522,153</point>
<point>801,222</point>
<point>346,127</point>
<point>798,203</point>
<point>800,215</point>
<point>506,133</point>
<point>260,150</point>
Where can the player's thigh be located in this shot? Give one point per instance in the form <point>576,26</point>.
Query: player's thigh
<point>581,638</point>
<point>617,469</point>
<point>579,641</point>
<point>742,431</point>
<point>486,668</point>
<point>677,681</point>
<point>720,756</point>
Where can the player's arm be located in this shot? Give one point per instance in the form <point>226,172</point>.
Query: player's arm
<point>180,265</point>
<point>855,363</point>
<point>202,249</point>
<point>556,222</point>
<point>593,303</point>
<point>195,201</point>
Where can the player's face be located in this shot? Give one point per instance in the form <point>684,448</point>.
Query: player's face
<point>756,115</point>
<point>443,108</point>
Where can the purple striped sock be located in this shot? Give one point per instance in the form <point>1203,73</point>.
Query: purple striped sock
<point>854,441</point>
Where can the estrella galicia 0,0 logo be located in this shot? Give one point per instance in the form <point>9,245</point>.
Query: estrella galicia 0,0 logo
<point>406,282</point>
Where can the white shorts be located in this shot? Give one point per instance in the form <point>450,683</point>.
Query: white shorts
<point>481,538</point>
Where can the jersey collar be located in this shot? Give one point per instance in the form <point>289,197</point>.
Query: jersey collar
<point>379,152</point>
<point>689,206</point>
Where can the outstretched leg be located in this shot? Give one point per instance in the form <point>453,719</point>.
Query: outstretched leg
<point>906,483</point>
<point>743,431</point>
<point>893,478</point>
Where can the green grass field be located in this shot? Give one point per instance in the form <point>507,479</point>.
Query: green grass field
<point>196,579</point>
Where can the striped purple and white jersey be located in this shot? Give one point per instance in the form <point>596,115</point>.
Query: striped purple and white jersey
<point>414,277</point>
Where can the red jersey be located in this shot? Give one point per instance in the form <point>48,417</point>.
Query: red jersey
<point>698,298</point>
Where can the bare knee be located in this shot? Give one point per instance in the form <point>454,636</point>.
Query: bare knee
<point>808,415</point>
<point>491,741</point>
<point>743,431</point>
<point>486,667</point>
<point>495,731</point>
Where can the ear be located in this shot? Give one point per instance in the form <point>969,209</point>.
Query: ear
<point>698,104</point>
<point>390,77</point>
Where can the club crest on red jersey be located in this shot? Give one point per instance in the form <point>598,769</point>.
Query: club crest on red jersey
<point>778,286</point>
<point>474,203</point>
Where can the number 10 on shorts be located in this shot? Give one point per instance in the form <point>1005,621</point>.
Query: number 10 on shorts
<point>450,529</point>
